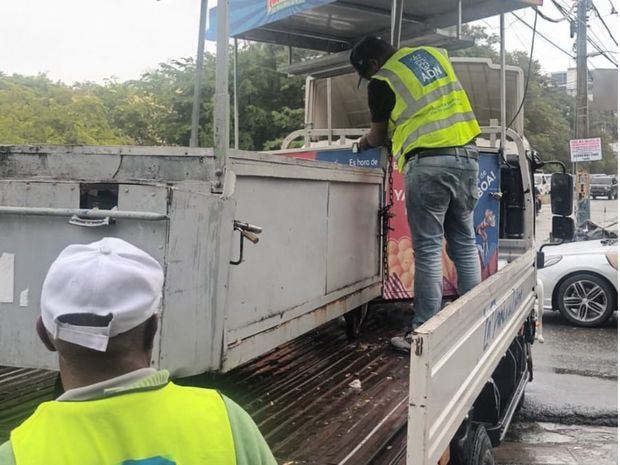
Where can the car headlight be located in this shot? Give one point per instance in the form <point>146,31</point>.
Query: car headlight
<point>551,260</point>
<point>612,258</point>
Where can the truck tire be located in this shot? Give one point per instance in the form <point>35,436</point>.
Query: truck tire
<point>479,448</point>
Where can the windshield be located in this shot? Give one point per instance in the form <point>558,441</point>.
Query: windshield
<point>602,180</point>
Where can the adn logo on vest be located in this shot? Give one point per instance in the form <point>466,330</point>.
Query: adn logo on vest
<point>149,461</point>
<point>424,65</point>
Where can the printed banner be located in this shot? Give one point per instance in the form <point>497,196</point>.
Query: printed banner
<point>245,15</point>
<point>399,284</point>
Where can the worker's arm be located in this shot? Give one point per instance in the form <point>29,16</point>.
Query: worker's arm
<point>381,101</point>
<point>250,446</point>
<point>376,137</point>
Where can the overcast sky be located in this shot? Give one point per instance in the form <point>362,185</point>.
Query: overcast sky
<point>79,40</point>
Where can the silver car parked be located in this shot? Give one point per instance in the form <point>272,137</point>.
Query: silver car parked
<point>581,280</point>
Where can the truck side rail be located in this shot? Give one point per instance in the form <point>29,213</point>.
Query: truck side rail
<point>455,353</point>
<point>307,134</point>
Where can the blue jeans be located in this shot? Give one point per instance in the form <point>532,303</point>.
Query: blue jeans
<point>441,193</point>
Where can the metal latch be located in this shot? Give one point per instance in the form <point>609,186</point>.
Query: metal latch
<point>246,231</point>
<point>497,195</point>
<point>90,223</point>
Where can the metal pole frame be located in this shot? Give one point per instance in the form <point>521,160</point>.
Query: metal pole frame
<point>459,26</point>
<point>396,22</point>
<point>329,112</point>
<point>221,110</point>
<point>502,87</point>
<point>200,56</point>
<point>235,94</point>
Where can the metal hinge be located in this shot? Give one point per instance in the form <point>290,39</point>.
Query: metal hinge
<point>419,343</point>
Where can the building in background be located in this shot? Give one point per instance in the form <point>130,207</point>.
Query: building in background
<point>602,86</point>
<point>567,80</point>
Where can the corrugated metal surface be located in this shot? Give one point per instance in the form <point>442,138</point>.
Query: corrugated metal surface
<point>299,395</point>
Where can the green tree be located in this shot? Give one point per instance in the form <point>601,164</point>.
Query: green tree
<point>33,109</point>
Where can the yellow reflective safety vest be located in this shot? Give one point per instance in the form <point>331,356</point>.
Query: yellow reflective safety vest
<point>163,426</point>
<point>431,109</point>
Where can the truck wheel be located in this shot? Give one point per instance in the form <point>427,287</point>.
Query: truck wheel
<point>354,320</point>
<point>585,300</point>
<point>480,450</point>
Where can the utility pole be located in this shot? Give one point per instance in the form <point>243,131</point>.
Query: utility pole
<point>581,109</point>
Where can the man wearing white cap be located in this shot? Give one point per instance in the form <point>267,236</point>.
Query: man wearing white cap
<point>98,311</point>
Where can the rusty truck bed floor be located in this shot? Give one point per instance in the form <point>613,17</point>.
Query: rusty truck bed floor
<point>319,399</point>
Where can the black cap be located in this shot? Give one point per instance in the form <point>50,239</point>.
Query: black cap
<point>370,47</point>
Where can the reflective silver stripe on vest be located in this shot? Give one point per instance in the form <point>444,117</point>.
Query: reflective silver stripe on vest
<point>413,105</point>
<point>437,126</point>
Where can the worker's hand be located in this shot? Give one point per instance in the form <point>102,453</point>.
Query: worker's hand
<point>363,144</point>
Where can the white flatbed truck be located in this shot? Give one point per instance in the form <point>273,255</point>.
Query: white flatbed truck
<point>225,304</point>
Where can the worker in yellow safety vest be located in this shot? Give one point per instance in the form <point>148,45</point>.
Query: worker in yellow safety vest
<point>421,112</point>
<point>99,305</point>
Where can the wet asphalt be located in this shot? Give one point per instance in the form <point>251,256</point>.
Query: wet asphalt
<point>570,414</point>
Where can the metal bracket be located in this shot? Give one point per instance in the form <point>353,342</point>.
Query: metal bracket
<point>91,223</point>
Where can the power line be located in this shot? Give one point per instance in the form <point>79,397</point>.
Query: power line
<point>613,8</point>
<point>544,37</point>
<point>604,23</point>
<point>529,69</point>
<point>547,18</point>
<point>567,14</point>
<point>600,48</point>
<point>602,52</point>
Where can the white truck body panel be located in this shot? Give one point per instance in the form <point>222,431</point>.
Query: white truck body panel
<point>454,354</point>
<point>215,316</point>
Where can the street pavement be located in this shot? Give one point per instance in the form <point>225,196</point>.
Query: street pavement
<point>570,414</point>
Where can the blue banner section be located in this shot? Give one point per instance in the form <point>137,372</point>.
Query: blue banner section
<point>368,158</point>
<point>486,214</point>
<point>245,15</point>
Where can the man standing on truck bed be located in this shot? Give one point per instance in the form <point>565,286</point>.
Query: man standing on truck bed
<point>98,311</point>
<point>417,102</point>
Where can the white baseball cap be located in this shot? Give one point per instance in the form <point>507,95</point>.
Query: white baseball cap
<point>111,279</point>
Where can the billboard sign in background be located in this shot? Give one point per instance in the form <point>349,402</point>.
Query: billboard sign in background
<point>582,150</point>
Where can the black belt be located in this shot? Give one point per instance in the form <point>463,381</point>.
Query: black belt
<point>464,152</point>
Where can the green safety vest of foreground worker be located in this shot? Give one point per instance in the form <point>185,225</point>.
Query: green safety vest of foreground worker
<point>164,426</point>
<point>431,109</point>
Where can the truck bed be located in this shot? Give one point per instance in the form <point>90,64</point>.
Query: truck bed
<point>304,400</point>
<point>300,394</point>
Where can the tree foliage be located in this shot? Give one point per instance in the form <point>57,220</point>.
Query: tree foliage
<point>549,112</point>
<point>156,109</point>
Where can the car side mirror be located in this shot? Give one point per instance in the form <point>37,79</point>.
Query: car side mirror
<point>563,228</point>
<point>562,194</point>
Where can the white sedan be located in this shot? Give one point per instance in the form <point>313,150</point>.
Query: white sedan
<point>581,280</point>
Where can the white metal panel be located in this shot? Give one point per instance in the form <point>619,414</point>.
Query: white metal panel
<point>197,256</point>
<point>353,245</point>
<point>309,317</point>
<point>454,354</point>
<point>32,194</point>
<point>35,242</point>
<point>288,266</point>
<point>105,163</point>
<point>151,199</point>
